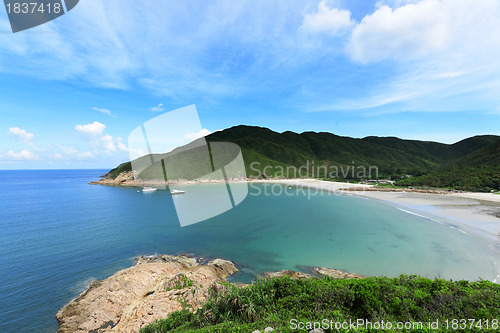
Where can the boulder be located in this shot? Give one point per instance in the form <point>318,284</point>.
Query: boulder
<point>290,273</point>
<point>335,273</point>
<point>134,297</point>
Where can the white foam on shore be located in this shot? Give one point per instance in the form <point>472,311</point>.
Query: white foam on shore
<point>422,216</point>
<point>433,220</point>
<point>84,285</point>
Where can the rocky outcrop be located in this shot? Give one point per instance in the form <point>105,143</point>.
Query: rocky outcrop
<point>123,179</point>
<point>183,259</point>
<point>152,289</point>
<point>289,273</point>
<point>335,273</point>
<point>134,297</point>
<point>321,271</point>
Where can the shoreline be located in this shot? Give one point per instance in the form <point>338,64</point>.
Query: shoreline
<point>154,287</point>
<point>478,213</point>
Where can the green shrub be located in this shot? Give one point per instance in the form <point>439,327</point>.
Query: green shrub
<point>275,301</point>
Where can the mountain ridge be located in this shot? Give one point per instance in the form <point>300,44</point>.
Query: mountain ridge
<point>394,157</point>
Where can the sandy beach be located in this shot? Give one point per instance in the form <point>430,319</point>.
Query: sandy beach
<point>477,213</point>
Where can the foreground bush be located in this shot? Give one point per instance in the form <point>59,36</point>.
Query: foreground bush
<point>275,302</point>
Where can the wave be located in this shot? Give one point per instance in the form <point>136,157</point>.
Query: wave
<point>433,220</point>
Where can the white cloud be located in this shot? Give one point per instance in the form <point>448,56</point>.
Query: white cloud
<point>407,32</point>
<point>105,111</point>
<point>25,155</point>
<point>158,108</point>
<point>395,3</point>
<point>200,134</point>
<point>93,133</point>
<point>106,44</point>
<point>365,103</point>
<point>133,153</point>
<point>449,75</point>
<point>121,146</point>
<point>92,129</point>
<point>20,134</point>
<point>440,56</point>
<point>326,20</point>
<point>73,152</point>
<point>107,142</point>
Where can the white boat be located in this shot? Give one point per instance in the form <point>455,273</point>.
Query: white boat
<point>174,192</point>
<point>148,189</point>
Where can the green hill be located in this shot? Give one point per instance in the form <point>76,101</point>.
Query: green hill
<point>476,171</point>
<point>294,149</point>
<point>469,164</point>
<point>392,156</point>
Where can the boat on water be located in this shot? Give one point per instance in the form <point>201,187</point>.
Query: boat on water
<point>175,192</point>
<point>148,189</point>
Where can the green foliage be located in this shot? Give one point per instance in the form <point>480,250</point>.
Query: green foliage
<point>263,145</point>
<point>478,171</point>
<point>124,167</point>
<point>275,301</point>
<point>180,282</point>
<point>476,179</point>
<point>175,320</point>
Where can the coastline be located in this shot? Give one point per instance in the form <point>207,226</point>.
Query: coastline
<point>154,287</point>
<point>124,302</point>
<point>477,213</point>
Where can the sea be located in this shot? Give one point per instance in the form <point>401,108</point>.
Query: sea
<point>58,234</point>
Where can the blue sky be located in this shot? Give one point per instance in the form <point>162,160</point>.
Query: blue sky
<point>72,90</point>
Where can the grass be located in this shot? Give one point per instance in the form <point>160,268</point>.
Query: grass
<point>275,301</point>
<point>180,282</point>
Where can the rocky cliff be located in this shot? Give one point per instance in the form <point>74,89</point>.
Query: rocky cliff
<point>136,296</point>
<point>152,289</point>
<point>125,178</point>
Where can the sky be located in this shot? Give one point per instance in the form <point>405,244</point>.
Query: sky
<point>74,89</point>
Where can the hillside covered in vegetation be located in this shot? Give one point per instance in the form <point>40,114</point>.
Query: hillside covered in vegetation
<point>470,164</point>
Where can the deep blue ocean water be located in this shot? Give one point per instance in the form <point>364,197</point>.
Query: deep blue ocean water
<point>57,233</point>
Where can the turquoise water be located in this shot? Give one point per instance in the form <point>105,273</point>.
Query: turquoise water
<point>58,233</point>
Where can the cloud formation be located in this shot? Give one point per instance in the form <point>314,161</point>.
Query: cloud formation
<point>158,108</point>
<point>23,155</point>
<point>193,136</point>
<point>93,129</point>
<point>96,139</point>
<point>329,21</point>
<point>105,111</point>
<point>106,142</point>
<point>20,134</point>
<point>407,32</point>
<point>73,152</point>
